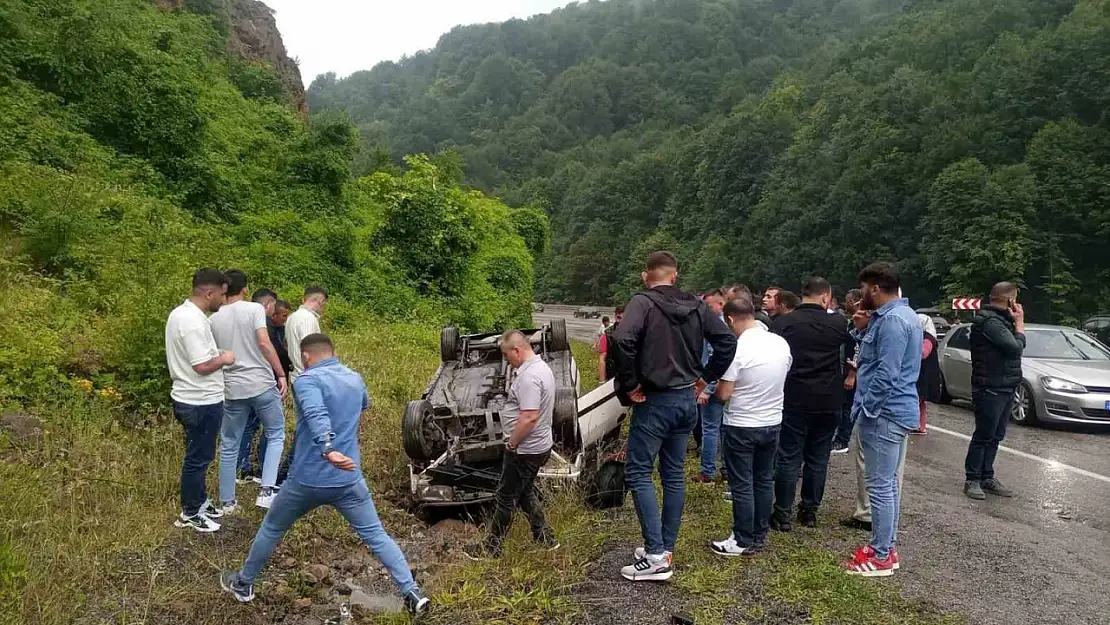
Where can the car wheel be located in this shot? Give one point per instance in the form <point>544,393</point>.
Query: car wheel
<point>945,398</point>
<point>559,341</point>
<point>564,416</point>
<point>607,488</point>
<point>1024,410</point>
<point>422,438</point>
<point>449,344</point>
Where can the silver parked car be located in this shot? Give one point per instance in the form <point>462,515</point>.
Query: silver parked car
<point>1065,371</point>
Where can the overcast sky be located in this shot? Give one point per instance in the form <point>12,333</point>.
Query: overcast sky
<point>344,36</point>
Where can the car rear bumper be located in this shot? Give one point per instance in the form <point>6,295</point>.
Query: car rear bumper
<point>1074,408</point>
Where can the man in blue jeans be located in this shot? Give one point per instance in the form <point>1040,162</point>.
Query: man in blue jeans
<point>326,471</point>
<point>847,423</point>
<point>710,408</point>
<point>886,407</point>
<point>658,359</point>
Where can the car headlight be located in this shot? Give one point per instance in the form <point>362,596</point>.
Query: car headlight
<point>1064,386</point>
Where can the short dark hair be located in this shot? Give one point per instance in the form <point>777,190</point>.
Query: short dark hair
<point>283,304</point>
<point>716,293</point>
<point>816,286</point>
<point>661,260</point>
<point>1004,290</point>
<point>208,277</point>
<point>605,319</point>
<point>309,291</point>
<point>854,294</point>
<point>262,294</point>
<point>619,310</point>
<point>740,307</point>
<point>236,281</point>
<point>316,341</point>
<point>736,287</point>
<point>882,275</point>
<point>787,299</point>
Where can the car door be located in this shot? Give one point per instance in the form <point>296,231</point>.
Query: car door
<point>956,363</point>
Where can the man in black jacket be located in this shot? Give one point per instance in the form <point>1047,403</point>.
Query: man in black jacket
<point>814,393</point>
<point>658,359</point>
<point>997,341</point>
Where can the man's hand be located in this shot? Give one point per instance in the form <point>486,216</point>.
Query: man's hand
<point>861,319</point>
<point>703,398</point>
<point>700,386</point>
<point>1018,312</point>
<point>340,461</point>
<point>850,381</point>
<point>283,386</point>
<point>637,395</point>
<point>227,358</point>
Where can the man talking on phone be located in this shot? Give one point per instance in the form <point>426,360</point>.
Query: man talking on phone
<point>997,341</point>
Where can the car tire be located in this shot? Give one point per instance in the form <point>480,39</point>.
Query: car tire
<point>421,437</point>
<point>449,344</point>
<point>564,416</point>
<point>559,341</point>
<point>1024,410</point>
<point>606,488</point>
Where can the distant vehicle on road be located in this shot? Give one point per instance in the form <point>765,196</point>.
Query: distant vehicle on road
<point>1066,375</point>
<point>587,312</point>
<point>939,321</point>
<point>1098,327</point>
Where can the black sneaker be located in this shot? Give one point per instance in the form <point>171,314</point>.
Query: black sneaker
<point>808,518</point>
<point>229,581</point>
<point>974,490</point>
<point>198,523</point>
<point>994,487</point>
<point>781,525</point>
<point>416,603</point>
<point>856,524</point>
<point>211,510</point>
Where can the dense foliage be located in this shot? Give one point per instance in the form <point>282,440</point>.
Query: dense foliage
<point>967,140</point>
<point>134,148</point>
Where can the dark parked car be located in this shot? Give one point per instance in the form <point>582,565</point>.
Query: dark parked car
<point>587,312</point>
<point>1098,327</point>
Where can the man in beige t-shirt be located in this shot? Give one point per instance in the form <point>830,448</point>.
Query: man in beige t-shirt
<point>304,321</point>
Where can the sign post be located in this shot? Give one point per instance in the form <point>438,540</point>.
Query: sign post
<point>966,303</point>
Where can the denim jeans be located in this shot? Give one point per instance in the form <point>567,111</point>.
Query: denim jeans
<point>202,424</point>
<point>751,473</point>
<point>846,425</point>
<point>295,500</point>
<point>992,412</point>
<point>882,441</point>
<point>805,439</point>
<point>517,487</point>
<point>236,411</point>
<point>249,464</point>
<point>710,414</point>
<point>660,428</point>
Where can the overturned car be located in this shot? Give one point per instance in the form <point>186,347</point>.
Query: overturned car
<point>452,434</point>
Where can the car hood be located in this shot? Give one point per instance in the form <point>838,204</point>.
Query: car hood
<point>1086,372</point>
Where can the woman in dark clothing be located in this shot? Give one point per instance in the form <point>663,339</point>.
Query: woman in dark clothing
<point>928,381</point>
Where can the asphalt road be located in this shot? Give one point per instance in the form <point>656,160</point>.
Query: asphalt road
<point>1041,557</point>
<point>580,329</point>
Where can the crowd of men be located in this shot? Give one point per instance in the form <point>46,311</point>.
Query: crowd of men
<point>770,391</point>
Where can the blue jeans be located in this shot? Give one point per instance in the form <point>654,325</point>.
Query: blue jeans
<point>248,463</point>
<point>805,438</point>
<point>236,411</point>
<point>295,500</point>
<point>660,428</point>
<point>992,413</point>
<point>202,424</point>
<point>882,440</point>
<point>847,423</point>
<point>711,414</point>
<point>751,472</point>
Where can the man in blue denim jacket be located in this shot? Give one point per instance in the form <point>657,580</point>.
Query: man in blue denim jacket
<point>326,471</point>
<point>885,407</point>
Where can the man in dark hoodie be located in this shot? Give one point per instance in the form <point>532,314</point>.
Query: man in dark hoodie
<point>997,341</point>
<point>658,359</point>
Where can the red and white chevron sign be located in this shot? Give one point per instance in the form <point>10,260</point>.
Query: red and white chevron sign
<point>966,303</point>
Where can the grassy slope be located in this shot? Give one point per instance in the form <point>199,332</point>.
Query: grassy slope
<point>88,508</point>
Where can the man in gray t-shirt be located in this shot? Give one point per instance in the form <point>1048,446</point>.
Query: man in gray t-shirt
<point>526,426</point>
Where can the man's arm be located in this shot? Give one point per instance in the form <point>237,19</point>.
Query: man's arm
<point>893,337</point>
<point>627,341</point>
<point>1010,344</point>
<point>723,344</point>
<point>530,395</point>
<point>262,335</point>
<point>724,390</point>
<point>314,411</point>
<point>202,353</point>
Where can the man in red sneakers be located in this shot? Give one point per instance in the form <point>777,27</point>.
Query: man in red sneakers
<point>885,407</point>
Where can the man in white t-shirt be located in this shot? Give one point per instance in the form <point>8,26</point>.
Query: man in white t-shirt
<point>304,321</point>
<point>196,367</point>
<point>255,384</point>
<point>753,388</point>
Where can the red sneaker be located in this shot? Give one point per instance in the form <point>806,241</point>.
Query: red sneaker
<point>866,564</point>
<point>894,558</point>
<point>868,551</point>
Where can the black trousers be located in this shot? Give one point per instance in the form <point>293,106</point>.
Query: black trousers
<point>805,443</point>
<point>518,488</point>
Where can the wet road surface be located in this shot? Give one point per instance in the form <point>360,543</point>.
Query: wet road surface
<point>1041,557</point>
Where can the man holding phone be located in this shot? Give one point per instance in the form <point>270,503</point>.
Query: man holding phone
<point>997,341</point>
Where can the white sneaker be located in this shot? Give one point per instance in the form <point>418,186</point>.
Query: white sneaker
<point>729,548</point>
<point>728,495</point>
<point>266,497</point>
<point>840,450</point>
<point>650,568</point>
<point>199,522</point>
<point>640,552</point>
<point>228,508</point>
<point>210,510</point>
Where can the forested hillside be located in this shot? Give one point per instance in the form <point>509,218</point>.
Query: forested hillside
<point>138,142</point>
<point>967,140</point>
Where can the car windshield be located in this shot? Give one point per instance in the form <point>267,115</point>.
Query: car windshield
<point>1064,345</point>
